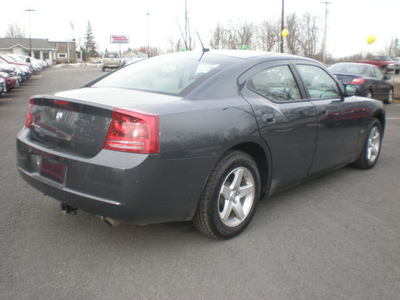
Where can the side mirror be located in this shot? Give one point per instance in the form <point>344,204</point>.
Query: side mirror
<point>387,77</point>
<point>350,90</point>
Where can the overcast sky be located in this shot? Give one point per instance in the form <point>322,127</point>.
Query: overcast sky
<point>349,21</point>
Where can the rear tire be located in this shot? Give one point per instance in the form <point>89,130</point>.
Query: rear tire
<point>230,197</point>
<point>372,147</point>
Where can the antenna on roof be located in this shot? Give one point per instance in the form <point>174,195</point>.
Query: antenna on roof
<point>204,50</point>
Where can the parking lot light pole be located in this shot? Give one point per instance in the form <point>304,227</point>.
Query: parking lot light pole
<point>283,23</point>
<point>326,26</point>
<point>30,38</point>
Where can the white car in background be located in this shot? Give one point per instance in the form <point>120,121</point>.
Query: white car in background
<point>111,60</point>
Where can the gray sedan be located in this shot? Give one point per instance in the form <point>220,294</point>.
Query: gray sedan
<point>195,136</point>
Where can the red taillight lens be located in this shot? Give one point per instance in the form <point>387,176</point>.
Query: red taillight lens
<point>28,119</point>
<point>358,81</point>
<point>132,131</point>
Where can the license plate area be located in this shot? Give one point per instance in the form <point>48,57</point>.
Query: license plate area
<point>53,170</point>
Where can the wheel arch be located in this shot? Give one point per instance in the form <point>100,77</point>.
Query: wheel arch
<point>262,159</point>
<point>381,118</point>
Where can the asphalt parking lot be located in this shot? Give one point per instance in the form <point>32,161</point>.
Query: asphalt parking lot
<point>336,237</point>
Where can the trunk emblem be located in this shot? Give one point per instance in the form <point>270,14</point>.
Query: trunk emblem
<point>59,115</point>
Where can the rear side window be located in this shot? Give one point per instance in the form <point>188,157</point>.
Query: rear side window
<point>318,82</point>
<point>377,73</point>
<point>276,84</point>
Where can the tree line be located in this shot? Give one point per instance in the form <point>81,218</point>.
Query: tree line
<point>304,38</point>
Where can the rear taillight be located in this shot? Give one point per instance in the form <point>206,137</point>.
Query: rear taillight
<point>28,119</point>
<point>133,131</point>
<point>358,81</point>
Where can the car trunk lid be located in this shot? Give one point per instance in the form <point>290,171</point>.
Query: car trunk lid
<point>77,121</point>
<point>346,78</point>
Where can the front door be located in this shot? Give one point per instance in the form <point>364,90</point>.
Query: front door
<point>338,119</point>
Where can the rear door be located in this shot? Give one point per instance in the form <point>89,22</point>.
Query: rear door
<point>287,122</point>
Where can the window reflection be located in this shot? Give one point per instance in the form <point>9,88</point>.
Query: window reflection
<point>276,84</point>
<point>319,84</point>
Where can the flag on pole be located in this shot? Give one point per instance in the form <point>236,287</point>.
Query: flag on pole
<point>72,26</point>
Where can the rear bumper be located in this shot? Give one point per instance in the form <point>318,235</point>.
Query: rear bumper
<point>131,188</point>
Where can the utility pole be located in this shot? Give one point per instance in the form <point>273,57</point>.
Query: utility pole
<point>148,34</point>
<point>186,26</point>
<point>30,39</point>
<point>326,27</point>
<point>283,23</point>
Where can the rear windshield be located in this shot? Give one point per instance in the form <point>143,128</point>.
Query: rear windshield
<point>111,55</point>
<point>347,69</point>
<point>168,74</point>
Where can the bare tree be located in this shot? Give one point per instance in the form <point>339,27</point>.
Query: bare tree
<point>245,33</point>
<point>185,31</point>
<point>308,35</point>
<point>234,36</point>
<point>14,31</point>
<point>269,32</point>
<point>392,49</point>
<point>175,45</point>
<point>292,40</point>
<point>218,39</point>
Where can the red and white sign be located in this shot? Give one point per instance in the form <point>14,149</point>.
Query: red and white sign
<point>119,39</point>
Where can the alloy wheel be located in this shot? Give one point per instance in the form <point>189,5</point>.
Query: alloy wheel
<point>374,144</point>
<point>236,197</point>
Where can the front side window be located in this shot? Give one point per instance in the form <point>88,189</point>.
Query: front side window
<point>318,82</point>
<point>276,84</point>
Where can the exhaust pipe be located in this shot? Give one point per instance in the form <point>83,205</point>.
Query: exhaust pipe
<point>68,210</point>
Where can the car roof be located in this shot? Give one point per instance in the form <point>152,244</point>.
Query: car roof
<point>245,55</point>
<point>355,64</point>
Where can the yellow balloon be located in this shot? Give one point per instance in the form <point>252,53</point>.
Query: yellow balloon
<point>370,39</point>
<point>285,32</point>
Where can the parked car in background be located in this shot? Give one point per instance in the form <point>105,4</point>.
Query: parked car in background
<point>111,60</point>
<point>11,81</point>
<point>385,63</point>
<point>2,86</point>
<point>369,79</point>
<point>10,75</point>
<point>28,60</point>
<point>9,60</point>
<point>195,136</point>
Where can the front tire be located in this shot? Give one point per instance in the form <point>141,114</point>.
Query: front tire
<point>389,98</point>
<point>230,197</point>
<point>372,147</point>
